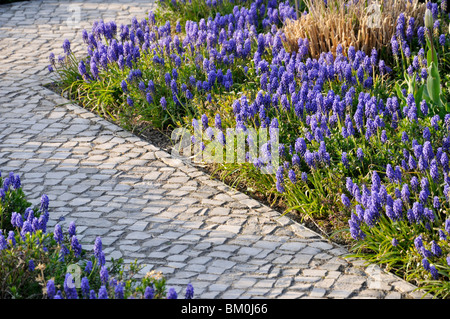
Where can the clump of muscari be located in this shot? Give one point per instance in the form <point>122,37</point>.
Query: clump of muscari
<point>206,61</point>
<point>37,263</point>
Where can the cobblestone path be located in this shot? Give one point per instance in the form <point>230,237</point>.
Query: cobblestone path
<point>142,202</point>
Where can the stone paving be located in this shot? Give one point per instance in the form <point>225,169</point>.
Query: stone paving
<point>145,204</point>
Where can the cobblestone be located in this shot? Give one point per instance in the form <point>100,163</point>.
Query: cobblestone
<point>144,203</point>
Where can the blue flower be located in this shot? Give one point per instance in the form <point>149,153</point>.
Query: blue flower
<point>405,194</point>
<point>394,242</point>
<point>189,291</point>
<point>417,211</point>
<point>424,73</point>
<point>44,203</point>
<point>280,179</point>
<point>412,164</point>
<point>418,242</point>
<point>98,247</point>
<point>360,154</point>
<point>434,272</point>
<point>119,291</point>
<point>390,173</point>
<point>27,228</point>
<point>310,159</point>
<point>11,238</point>
<point>76,246</point>
<point>104,275</point>
<point>3,243</point>
<point>149,293</point>
<point>405,137</point>
<point>345,200</point>
<point>384,137</point>
<point>51,289</point>
<point>434,172</point>
<point>442,39</point>
<point>130,101</point>
<point>102,293</point>
<point>69,287</point>
<point>292,176</point>
<point>204,121</point>
<point>94,69</point>
<point>421,35</point>
<point>85,287</point>
<point>163,103</point>
<point>397,208</point>
<point>426,133</point>
<point>394,46</point>
<point>66,46</point>
<point>345,159</point>
<point>355,230</point>
<point>428,151</point>
<point>436,203</point>
<point>82,68</point>
<point>172,294</point>
<point>72,229</point>
<point>304,176</point>
<point>300,146</point>
<point>435,249</point>
<point>426,264</point>
<point>124,86</point>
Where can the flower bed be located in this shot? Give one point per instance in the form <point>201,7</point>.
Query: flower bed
<point>362,136</point>
<point>36,262</point>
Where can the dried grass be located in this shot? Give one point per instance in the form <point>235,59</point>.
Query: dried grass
<point>349,24</point>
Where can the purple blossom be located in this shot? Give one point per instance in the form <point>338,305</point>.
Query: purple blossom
<point>345,200</point>
<point>149,293</point>
<point>58,234</point>
<point>3,243</point>
<point>344,159</point>
<point>292,176</point>
<point>102,293</point>
<point>51,289</point>
<point>172,294</point>
<point>66,46</point>
<point>189,291</point>
<point>85,287</point>
<point>355,230</point>
<point>76,246</point>
<point>163,103</point>
<point>360,154</point>
<point>69,287</point>
<point>394,242</point>
<point>434,272</point>
<point>104,275</point>
<point>435,249</point>
<point>442,39</point>
<point>426,264</point>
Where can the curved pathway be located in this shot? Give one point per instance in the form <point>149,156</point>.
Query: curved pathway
<point>145,204</point>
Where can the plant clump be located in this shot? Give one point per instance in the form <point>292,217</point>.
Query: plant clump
<point>37,262</point>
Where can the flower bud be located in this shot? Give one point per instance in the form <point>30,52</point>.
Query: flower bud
<point>428,19</point>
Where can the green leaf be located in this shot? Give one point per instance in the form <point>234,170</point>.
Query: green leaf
<point>434,84</point>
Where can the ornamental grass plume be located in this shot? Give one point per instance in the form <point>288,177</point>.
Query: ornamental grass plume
<point>350,23</point>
